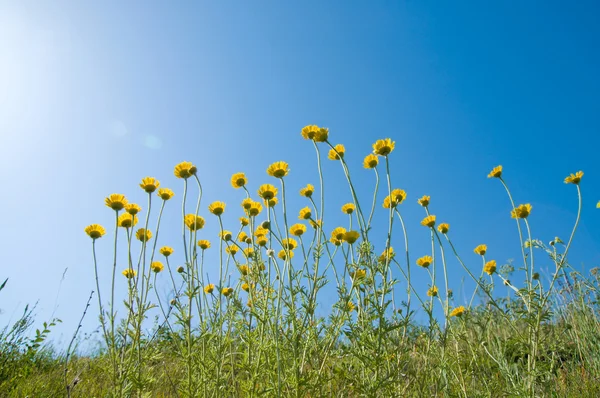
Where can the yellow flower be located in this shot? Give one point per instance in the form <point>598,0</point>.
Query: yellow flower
<point>338,233</point>
<point>351,237</point>
<point>304,214</point>
<point>216,208</point>
<point>143,235</point>
<point>388,253</point>
<point>244,221</point>
<point>166,251</point>
<point>490,267</point>
<point>308,132</point>
<point>116,201</point>
<point>278,169</point>
<point>149,184</point>
<point>383,147</point>
<point>126,220</point>
<point>129,273</point>
<point>574,178</point>
<point>267,191</point>
<point>157,266</point>
<point>238,180</point>
<point>522,211</point>
<point>443,228</point>
<point>245,287</point>
<point>282,255</point>
<point>458,311</point>
<point>225,235</point>
<point>133,209</point>
<point>481,249</point>
<point>247,203</point>
<point>432,292</point>
<point>165,193</point>
<point>393,200</point>
<point>298,229</point>
<point>185,170</point>
<point>261,241</point>
<point>308,190</point>
<point>496,172</point>
<point>194,222</point>
<point>424,200</point>
<point>244,269</point>
<point>255,209</point>
<point>321,135</point>
<point>350,306</point>
<point>248,251</point>
<point>289,243</point>
<point>348,208</point>
<point>428,221</point>
<point>425,261</point>
<point>271,202</point>
<point>95,231</point>
<point>337,152</point>
<point>249,303</point>
<point>208,289</point>
<point>316,223</point>
<point>598,205</point>
<point>370,161</point>
<point>226,291</point>
<point>359,274</point>
<point>204,244</point>
<point>261,231</point>
<point>242,236</point>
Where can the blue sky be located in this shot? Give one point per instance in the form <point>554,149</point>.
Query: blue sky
<point>94,97</point>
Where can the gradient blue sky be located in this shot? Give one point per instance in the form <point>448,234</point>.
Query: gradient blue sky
<point>95,96</point>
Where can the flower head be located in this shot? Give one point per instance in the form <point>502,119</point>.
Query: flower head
<point>216,208</point>
<point>267,191</point>
<point>522,211</point>
<point>425,261</point>
<point>337,235</point>
<point>370,161</point>
<point>245,287</point>
<point>226,291</point>
<point>574,178</point>
<point>129,273</point>
<point>308,132</point>
<point>204,244</point>
<point>225,235</point>
<point>316,223</point>
<point>337,152</point>
<point>126,220</point>
<point>133,209</point>
<point>248,251</point>
<point>157,266</point>
<point>433,291</point>
<point>308,190</point>
<point>185,170</point>
<point>350,306</point>
<point>383,147</point>
<point>244,269</point>
<point>358,274</point>
<point>95,231</point>
<point>143,235</point>
<point>254,209</point>
<point>298,229</point>
<point>289,243</point>
<point>208,289</point>
<point>166,251</point>
<point>271,202</point>
<point>387,254</point>
<point>428,221</point>
<point>278,169</point>
<point>304,213</point>
<point>424,200</point>
<point>261,231</point>
<point>149,184</point>
<point>165,193</point>
<point>321,135</point>
<point>194,222</point>
<point>244,221</point>
<point>443,228</point>
<point>458,311</point>
<point>261,240</point>
<point>238,180</point>
<point>351,236</point>
<point>116,201</point>
<point>490,267</point>
<point>180,269</point>
<point>242,236</point>
<point>393,200</point>
<point>481,249</point>
<point>348,208</point>
<point>284,255</point>
<point>496,172</point>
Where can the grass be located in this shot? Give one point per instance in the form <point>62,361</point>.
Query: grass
<point>259,334</point>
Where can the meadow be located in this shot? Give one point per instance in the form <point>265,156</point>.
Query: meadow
<point>257,329</point>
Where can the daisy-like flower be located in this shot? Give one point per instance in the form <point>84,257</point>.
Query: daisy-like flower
<point>358,274</point>
<point>208,289</point>
<point>298,229</point>
<point>481,249</point>
<point>245,287</point>
<point>149,184</point>
<point>133,209</point>
<point>129,273</point>
<point>254,209</point>
<point>304,214</point>
<point>458,311</point>
<point>278,169</point>
<point>283,255</point>
<point>242,236</point>
<point>166,251</point>
<point>321,135</point>
<point>350,306</point>
<point>261,231</point>
<point>308,132</point>
<point>244,269</point>
<point>393,200</point>
<point>289,243</point>
<point>271,202</point>
<point>95,231</point>
<point>194,222</point>
<point>238,180</point>
<point>143,235</point>
<point>216,208</point>
<point>126,220</point>
<point>348,208</point>
<point>248,251</point>
<point>116,201</point>
<point>244,221</point>
<point>383,147</point>
<point>316,223</point>
<point>428,221</point>
<point>443,228</point>
<point>261,241</point>
<point>157,266</point>
<point>308,190</point>
<point>226,291</point>
<point>496,172</point>
<point>337,152</point>
<point>204,244</point>
<point>424,200</point>
<point>225,235</point>
<point>388,253</point>
<point>574,178</point>
<point>432,292</point>
<point>338,233</point>
<point>370,161</point>
<point>351,236</point>
<point>267,191</point>
<point>185,170</point>
<point>522,211</point>
<point>231,250</point>
<point>425,261</point>
<point>165,193</point>
<point>247,203</point>
<point>490,267</point>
